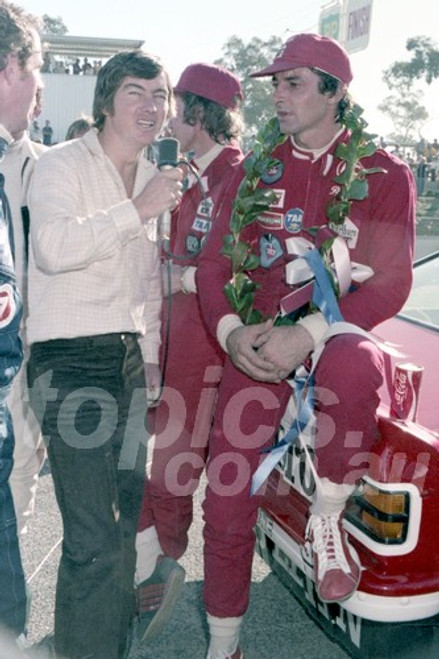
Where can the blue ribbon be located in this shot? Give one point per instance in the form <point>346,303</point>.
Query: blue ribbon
<point>323,293</point>
<point>324,298</point>
<point>304,387</point>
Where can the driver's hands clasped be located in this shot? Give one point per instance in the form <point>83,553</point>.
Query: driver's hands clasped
<point>267,353</point>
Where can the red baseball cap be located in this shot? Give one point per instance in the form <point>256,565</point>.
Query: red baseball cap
<point>311,51</point>
<point>211,82</point>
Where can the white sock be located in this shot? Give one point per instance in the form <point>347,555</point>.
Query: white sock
<point>330,498</point>
<point>224,636</point>
<point>148,550</point>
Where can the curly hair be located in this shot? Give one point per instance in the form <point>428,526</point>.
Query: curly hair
<point>328,84</point>
<point>222,124</point>
<point>16,33</point>
<point>134,63</point>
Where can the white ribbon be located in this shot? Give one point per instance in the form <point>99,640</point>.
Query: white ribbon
<point>344,271</point>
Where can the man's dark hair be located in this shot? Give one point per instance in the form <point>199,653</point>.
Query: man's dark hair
<point>16,33</point>
<point>222,124</point>
<point>329,85</point>
<point>134,64</point>
<point>78,127</point>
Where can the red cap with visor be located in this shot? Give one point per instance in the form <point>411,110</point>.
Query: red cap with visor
<point>311,51</point>
<point>211,82</point>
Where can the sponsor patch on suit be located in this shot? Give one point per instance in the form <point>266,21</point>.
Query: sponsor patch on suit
<point>270,250</point>
<point>294,220</point>
<point>270,220</point>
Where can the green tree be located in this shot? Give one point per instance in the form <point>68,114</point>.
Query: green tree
<point>406,113</point>
<point>423,65</point>
<point>403,106</point>
<point>54,25</point>
<point>242,59</point>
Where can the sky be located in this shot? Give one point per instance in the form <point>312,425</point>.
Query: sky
<point>185,31</point>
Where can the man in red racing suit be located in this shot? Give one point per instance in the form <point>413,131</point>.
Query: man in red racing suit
<point>310,77</point>
<point>207,123</point>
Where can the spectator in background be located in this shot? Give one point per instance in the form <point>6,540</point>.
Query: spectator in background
<point>97,65</point>
<point>397,151</point>
<point>87,68</point>
<point>429,152</point>
<point>421,145</point>
<point>79,127</point>
<point>47,63</point>
<point>35,131</point>
<point>47,133</point>
<point>208,124</point>
<point>421,175</point>
<point>29,452</point>
<point>76,67</point>
<point>20,63</point>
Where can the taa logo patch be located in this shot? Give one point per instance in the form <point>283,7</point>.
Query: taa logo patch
<point>7,305</point>
<point>202,225</point>
<point>273,173</point>
<point>293,220</point>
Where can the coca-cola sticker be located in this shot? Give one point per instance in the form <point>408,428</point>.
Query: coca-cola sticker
<point>405,391</point>
<point>7,305</point>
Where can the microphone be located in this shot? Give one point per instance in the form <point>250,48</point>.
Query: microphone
<point>168,149</point>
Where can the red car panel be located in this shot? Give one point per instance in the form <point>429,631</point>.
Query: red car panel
<point>392,518</point>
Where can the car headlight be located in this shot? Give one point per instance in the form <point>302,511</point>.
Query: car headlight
<point>381,514</point>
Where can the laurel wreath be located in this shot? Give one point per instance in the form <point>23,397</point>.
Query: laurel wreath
<point>251,201</point>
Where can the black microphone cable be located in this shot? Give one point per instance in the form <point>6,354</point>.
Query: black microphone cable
<point>168,258</point>
<point>165,158</point>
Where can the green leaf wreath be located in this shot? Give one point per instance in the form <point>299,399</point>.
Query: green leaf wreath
<point>251,202</point>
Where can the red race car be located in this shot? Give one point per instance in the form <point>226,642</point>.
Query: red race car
<point>392,518</point>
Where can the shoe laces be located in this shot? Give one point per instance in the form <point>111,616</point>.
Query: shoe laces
<point>327,543</point>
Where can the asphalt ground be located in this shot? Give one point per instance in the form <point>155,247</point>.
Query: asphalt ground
<point>425,245</point>
<point>276,627</point>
